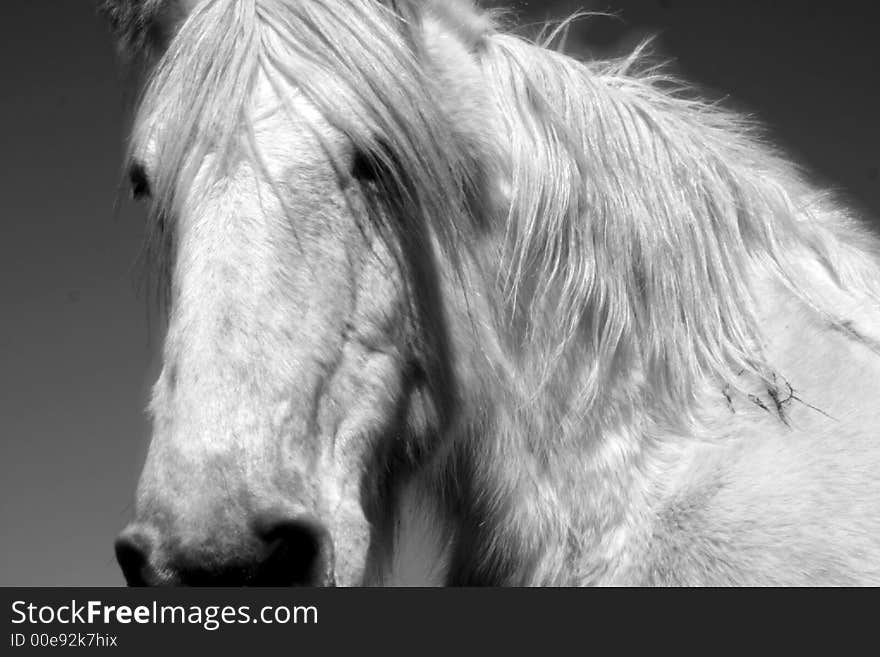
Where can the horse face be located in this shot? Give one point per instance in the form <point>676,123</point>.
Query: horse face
<point>283,365</point>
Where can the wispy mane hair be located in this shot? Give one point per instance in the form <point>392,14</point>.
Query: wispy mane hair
<point>642,216</point>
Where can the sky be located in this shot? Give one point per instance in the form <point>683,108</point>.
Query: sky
<point>76,356</point>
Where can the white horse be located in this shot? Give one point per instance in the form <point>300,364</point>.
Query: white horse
<point>445,306</point>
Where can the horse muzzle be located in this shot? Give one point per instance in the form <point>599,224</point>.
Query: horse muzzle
<point>274,551</point>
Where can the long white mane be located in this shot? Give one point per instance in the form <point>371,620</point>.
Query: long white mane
<point>643,214</point>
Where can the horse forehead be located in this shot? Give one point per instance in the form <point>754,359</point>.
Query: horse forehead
<point>295,113</point>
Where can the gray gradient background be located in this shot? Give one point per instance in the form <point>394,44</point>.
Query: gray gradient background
<point>76,358</point>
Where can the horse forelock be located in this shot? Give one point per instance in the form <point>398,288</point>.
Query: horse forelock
<point>369,51</point>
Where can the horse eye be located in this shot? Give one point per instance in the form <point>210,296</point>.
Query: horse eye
<point>364,167</point>
<point>139,180</point>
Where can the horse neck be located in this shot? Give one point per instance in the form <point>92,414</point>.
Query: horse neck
<point>548,493</point>
<point>524,471</point>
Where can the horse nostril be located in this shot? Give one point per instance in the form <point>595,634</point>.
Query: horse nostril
<point>280,551</point>
<point>298,553</point>
<point>133,549</point>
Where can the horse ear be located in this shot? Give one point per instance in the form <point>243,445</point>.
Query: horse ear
<point>119,13</point>
<point>139,26</point>
<point>455,33</point>
<point>460,19</point>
